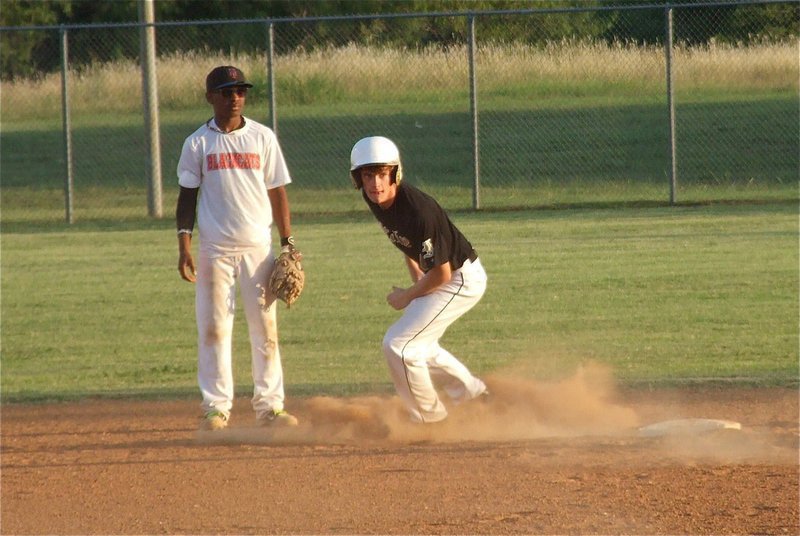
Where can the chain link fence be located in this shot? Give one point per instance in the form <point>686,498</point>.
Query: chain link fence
<point>482,120</point>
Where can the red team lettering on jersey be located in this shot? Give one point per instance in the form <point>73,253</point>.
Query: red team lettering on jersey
<point>216,161</point>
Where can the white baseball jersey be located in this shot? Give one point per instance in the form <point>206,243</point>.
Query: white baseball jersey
<point>233,171</point>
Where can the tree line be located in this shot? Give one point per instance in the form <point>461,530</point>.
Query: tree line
<point>32,53</point>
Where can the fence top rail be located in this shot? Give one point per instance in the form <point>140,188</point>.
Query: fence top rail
<point>285,20</point>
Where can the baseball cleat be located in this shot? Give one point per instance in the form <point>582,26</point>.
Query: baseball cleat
<point>214,420</point>
<point>279,418</point>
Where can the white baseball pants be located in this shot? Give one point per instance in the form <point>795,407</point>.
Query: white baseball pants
<point>418,365</point>
<point>214,306</point>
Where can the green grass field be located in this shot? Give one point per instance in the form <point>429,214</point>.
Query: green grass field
<point>660,295</point>
<point>586,259</point>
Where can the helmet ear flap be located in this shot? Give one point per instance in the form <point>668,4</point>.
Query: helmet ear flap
<point>355,177</point>
<point>398,174</point>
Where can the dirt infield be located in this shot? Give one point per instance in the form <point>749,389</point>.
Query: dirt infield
<point>566,458</point>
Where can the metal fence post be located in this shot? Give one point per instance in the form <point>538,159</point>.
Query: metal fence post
<point>673,179</point>
<point>67,128</point>
<point>473,104</point>
<point>273,117</point>
<point>150,104</point>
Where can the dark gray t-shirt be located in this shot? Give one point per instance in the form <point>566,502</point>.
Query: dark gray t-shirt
<point>421,229</point>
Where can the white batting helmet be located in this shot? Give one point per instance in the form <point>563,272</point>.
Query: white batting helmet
<point>374,151</point>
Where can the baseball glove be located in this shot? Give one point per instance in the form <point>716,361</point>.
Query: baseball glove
<point>288,279</point>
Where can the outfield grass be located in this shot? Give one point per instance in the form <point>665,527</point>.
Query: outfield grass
<point>704,290</point>
<point>659,294</point>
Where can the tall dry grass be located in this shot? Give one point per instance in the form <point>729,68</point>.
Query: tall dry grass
<point>358,74</point>
<point>761,67</point>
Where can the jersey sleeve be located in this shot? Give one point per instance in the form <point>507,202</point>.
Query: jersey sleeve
<point>276,172</point>
<point>190,165</point>
<point>435,247</point>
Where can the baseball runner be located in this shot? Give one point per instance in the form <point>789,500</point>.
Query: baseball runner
<point>232,176</point>
<point>447,281</point>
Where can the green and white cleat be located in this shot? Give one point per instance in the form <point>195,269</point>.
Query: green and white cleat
<point>214,420</point>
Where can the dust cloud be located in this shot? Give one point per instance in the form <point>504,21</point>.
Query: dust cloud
<point>585,406</point>
<point>517,408</point>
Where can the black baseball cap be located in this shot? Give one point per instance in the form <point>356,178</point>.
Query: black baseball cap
<point>226,76</point>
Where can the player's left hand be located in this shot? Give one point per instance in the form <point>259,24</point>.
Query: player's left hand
<point>186,267</point>
<point>398,298</point>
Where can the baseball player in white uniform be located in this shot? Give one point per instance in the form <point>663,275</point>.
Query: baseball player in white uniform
<point>447,281</point>
<point>232,177</point>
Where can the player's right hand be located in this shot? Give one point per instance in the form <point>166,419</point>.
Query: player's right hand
<point>186,267</point>
<point>398,298</point>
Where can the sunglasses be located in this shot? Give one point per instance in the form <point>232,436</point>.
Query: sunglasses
<point>228,92</point>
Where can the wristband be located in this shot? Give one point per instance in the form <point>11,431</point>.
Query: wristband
<point>184,231</point>
<point>288,241</point>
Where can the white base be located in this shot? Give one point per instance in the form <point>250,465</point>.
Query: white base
<point>687,427</point>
